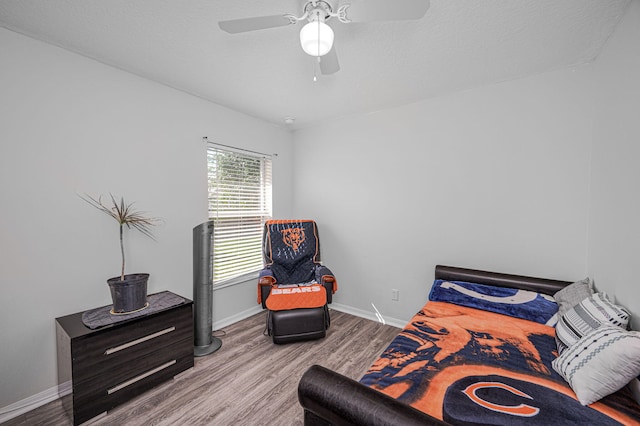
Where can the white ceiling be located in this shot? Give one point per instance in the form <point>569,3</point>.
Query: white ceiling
<point>459,44</point>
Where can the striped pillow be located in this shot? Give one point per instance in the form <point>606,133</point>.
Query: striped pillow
<point>600,363</point>
<point>587,316</point>
<point>573,294</point>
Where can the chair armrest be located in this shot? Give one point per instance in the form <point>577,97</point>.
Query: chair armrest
<point>329,398</point>
<point>325,277</point>
<point>265,283</point>
<point>330,285</point>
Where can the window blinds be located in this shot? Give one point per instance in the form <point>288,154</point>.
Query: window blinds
<point>239,204</point>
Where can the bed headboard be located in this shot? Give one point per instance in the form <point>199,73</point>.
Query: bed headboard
<point>541,285</point>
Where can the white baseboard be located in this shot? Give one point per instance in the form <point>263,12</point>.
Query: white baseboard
<point>225,322</point>
<point>368,315</point>
<point>31,403</point>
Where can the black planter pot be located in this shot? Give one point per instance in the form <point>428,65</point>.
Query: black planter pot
<point>130,294</point>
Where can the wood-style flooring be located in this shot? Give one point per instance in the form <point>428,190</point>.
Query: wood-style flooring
<point>249,381</point>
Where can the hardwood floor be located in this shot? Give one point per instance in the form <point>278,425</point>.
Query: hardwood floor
<point>249,381</point>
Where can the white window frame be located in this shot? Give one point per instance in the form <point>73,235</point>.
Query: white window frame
<point>240,201</point>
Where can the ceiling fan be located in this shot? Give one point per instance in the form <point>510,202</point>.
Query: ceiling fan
<point>316,36</point>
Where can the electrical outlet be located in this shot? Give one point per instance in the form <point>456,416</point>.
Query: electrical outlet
<point>395,294</point>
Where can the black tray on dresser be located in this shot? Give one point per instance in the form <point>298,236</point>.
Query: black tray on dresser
<point>110,365</point>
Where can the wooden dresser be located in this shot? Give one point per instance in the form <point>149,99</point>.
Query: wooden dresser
<point>110,365</point>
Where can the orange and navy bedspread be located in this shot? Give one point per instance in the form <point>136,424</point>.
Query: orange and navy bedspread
<point>469,366</point>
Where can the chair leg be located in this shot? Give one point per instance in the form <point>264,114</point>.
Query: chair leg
<point>268,330</point>
<point>327,316</point>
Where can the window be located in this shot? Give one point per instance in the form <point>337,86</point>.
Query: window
<point>239,205</point>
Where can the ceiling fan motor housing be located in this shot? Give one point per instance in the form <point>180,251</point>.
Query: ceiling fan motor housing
<point>314,9</point>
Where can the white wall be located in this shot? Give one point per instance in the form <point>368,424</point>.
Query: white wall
<point>71,125</point>
<point>614,243</point>
<point>493,178</point>
<point>497,178</point>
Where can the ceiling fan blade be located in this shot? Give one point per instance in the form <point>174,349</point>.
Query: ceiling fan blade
<point>235,26</point>
<point>386,10</point>
<point>329,62</point>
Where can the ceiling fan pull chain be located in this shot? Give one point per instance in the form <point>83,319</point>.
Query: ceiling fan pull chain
<point>316,67</point>
<point>319,36</point>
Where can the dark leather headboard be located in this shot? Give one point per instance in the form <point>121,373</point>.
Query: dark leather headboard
<point>541,285</point>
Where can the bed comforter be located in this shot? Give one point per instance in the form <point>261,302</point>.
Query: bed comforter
<point>470,366</point>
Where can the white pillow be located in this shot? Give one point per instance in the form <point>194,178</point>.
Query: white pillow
<point>587,316</point>
<point>600,363</point>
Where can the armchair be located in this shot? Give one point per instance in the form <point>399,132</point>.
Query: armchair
<point>294,285</point>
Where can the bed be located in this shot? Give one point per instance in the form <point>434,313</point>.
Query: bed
<point>484,350</point>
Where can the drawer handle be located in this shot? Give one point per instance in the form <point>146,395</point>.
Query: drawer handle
<point>138,341</point>
<point>140,377</point>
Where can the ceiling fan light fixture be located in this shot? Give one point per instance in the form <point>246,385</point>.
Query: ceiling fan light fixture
<point>316,38</point>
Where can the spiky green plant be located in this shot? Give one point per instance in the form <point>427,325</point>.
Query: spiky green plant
<point>124,214</point>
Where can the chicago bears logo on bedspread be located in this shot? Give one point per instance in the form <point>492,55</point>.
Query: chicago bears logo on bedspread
<point>502,400</point>
<point>523,304</point>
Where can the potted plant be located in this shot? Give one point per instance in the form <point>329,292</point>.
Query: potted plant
<point>128,292</point>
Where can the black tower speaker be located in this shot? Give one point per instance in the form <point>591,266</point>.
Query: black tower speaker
<point>204,342</point>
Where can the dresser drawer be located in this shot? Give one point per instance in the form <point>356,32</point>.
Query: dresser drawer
<point>132,370</point>
<point>92,403</point>
<point>103,351</point>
